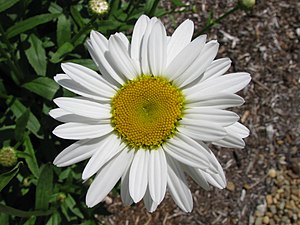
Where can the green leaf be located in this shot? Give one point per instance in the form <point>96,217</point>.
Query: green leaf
<point>20,213</point>
<point>63,31</point>
<point>29,23</point>
<point>18,109</point>
<point>5,178</point>
<point>76,16</point>
<point>36,55</point>
<point>55,219</point>
<point>85,62</point>
<point>31,159</point>
<point>21,124</point>
<point>4,218</point>
<point>61,52</point>
<point>150,7</point>
<point>42,86</point>
<point>30,221</point>
<point>4,4</point>
<point>44,187</point>
<point>178,3</point>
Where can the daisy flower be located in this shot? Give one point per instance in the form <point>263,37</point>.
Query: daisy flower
<point>147,117</point>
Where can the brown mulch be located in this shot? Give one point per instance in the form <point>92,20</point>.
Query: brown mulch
<point>265,42</point>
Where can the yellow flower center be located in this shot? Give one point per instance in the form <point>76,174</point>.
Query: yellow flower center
<point>146,111</point>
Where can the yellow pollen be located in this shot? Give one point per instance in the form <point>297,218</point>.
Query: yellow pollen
<point>146,111</point>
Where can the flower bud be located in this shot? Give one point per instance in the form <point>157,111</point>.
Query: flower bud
<point>8,157</point>
<point>98,7</point>
<point>247,4</point>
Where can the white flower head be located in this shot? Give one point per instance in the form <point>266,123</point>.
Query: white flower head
<point>147,118</point>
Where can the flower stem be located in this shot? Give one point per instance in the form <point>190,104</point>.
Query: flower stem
<point>83,29</point>
<point>218,20</point>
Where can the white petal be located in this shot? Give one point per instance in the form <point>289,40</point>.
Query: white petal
<point>107,177</point>
<point>124,39</point>
<point>98,50</point>
<point>65,117</point>
<point>83,107</point>
<point>89,79</point>
<point>177,185</point>
<point>222,117</point>
<point>78,131</point>
<point>185,58</point>
<point>202,130</point>
<point>149,203</point>
<point>77,152</point>
<point>121,60</point>
<point>181,37</point>
<point>214,100</point>
<point>157,174</point>
<point>199,65</point>
<point>185,153</point>
<point>157,49</point>
<point>234,138</point>
<point>138,176</point>
<point>217,68</point>
<point>144,47</point>
<point>66,82</point>
<point>125,195</point>
<point>107,149</point>
<point>197,176</point>
<point>137,37</point>
<point>229,83</point>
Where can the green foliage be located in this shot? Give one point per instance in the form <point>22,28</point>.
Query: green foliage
<point>35,37</point>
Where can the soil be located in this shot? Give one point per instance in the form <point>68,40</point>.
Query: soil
<point>264,41</point>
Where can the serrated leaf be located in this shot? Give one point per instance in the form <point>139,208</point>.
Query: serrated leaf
<point>63,31</point>
<point>4,4</point>
<point>29,23</point>
<point>42,86</point>
<point>30,158</point>
<point>36,55</point>
<point>18,109</point>
<point>44,187</point>
<point>61,52</point>
<point>21,125</point>
<point>5,178</point>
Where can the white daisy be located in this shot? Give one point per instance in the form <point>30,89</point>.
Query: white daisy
<point>147,117</point>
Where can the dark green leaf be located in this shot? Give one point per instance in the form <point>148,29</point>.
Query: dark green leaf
<point>4,4</point>
<point>85,62</point>
<point>30,221</point>
<point>178,3</point>
<point>76,16</point>
<point>6,177</point>
<point>61,52</point>
<point>42,86</point>
<point>150,7</point>
<point>16,212</point>
<point>63,31</point>
<point>21,124</point>
<point>31,159</point>
<point>54,219</point>
<point>18,109</point>
<point>44,187</point>
<point>54,8</point>
<point>72,206</point>
<point>29,23</point>
<point>36,55</point>
<point>4,218</point>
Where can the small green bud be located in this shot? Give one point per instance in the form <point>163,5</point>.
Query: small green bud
<point>61,197</point>
<point>98,7</point>
<point>247,4</point>
<point>8,157</point>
